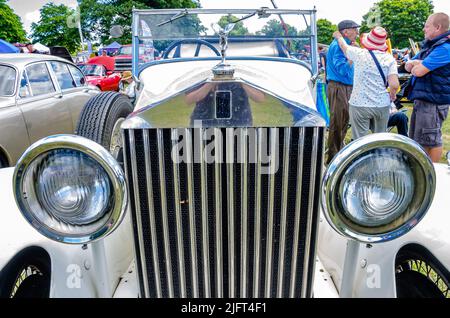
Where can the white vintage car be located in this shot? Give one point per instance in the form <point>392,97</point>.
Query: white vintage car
<point>214,185</point>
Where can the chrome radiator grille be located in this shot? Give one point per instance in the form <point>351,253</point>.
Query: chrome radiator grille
<point>224,229</point>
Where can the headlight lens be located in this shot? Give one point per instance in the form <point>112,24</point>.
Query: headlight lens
<point>70,189</point>
<point>378,188</point>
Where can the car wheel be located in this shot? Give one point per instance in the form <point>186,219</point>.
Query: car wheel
<point>101,118</point>
<point>27,278</point>
<point>416,278</point>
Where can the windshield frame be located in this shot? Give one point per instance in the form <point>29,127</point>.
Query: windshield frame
<point>15,79</point>
<point>137,12</point>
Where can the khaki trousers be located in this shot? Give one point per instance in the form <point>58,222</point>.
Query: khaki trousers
<point>338,96</point>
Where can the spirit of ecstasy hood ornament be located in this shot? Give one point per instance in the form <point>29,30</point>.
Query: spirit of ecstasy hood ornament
<point>223,70</point>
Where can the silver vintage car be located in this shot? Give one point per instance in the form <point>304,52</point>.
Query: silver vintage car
<point>40,95</point>
<point>213,183</point>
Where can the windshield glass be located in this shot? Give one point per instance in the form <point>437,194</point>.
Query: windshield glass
<point>92,70</point>
<point>179,33</point>
<point>7,80</point>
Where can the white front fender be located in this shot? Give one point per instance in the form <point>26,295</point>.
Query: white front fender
<point>90,271</point>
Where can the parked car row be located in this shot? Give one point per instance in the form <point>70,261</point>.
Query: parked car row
<point>40,95</point>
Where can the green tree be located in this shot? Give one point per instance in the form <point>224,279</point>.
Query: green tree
<point>403,19</point>
<point>325,31</point>
<point>275,28</point>
<point>239,28</point>
<point>55,28</point>
<point>98,16</point>
<point>11,28</point>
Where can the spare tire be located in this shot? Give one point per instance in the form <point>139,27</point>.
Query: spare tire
<point>101,118</point>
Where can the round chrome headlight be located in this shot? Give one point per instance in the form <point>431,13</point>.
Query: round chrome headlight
<point>70,189</point>
<point>378,188</point>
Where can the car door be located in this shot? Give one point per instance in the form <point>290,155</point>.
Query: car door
<point>42,103</point>
<point>78,96</point>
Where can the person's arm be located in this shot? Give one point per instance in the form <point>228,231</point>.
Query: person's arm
<point>394,85</point>
<point>254,94</point>
<point>410,65</point>
<point>199,94</point>
<point>420,70</point>
<point>341,41</point>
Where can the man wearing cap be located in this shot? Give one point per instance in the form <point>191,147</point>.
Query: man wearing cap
<point>339,72</point>
<point>374,71</point>
<point>430,89</point>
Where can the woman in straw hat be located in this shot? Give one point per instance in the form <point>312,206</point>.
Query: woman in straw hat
<point>126,85</point>
<point>375,82</point>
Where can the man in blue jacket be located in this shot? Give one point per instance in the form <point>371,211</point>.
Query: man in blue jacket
<point>339,72</point>
<point>431,85</point>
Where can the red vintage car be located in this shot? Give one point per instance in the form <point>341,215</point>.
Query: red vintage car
<point>99,71</point>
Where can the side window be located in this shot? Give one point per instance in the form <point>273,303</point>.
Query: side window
<point>24,90</point>
<point>62,73</point>
<point>77,75</point>
<point>39,79</point>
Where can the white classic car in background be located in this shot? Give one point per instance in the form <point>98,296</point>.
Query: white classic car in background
<point>113,213</point>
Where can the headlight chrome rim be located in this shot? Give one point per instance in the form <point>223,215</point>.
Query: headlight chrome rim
<point>336,170</point>
<point>90,149</point>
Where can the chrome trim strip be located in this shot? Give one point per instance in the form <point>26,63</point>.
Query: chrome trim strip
<point>218,207</point>
<point>257,231</point>
<point>151,210</point>
<point>270,212</point>
<point>162,182</point>
<point>176,185</point>
<point>244,215</point>
<point>312,181</point>
<point>193,235</point>
<point>298,206</point>
<point>231,237</point>
<point>284,190</point>
<point>138,212</point>
<point>205,232</point>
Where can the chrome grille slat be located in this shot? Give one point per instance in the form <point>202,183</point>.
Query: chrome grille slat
<point>152,214</point>
<point>282,243</point>
<point>257,232</point>
<point>271,204</point>
<point>192,229</point>
<point>164,212</point>
<point>177,198</point>
<point>205,232</point>
<point>138,211</point>
<point>315,143</point>
<point>218,211</point>
<point>244,216</point>
<point>224,229</point>
<point>298,206</point>
<point>230,181</point>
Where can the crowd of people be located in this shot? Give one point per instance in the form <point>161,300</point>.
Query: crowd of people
<point>363,85</point>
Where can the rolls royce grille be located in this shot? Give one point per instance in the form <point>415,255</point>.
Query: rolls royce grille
<point>224,228</point>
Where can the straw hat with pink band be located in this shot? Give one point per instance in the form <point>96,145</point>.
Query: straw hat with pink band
<point>375,39</point>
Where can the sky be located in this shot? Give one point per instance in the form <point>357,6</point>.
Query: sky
<point>332,10</point>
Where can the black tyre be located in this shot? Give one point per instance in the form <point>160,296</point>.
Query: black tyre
<point>3,162</point>
<point>26,278</point>
<point>101,118</point>
<point>412,284</point>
